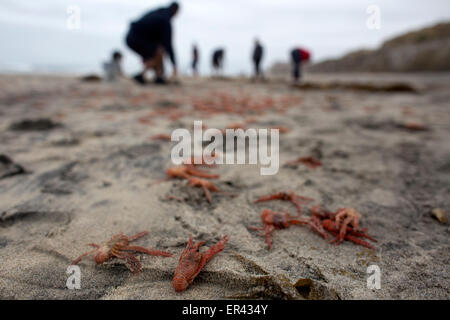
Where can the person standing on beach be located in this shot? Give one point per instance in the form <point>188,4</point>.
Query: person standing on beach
<point>257,56</point>
<point>217,60</point>
<point>298,55</point>
<point>151,37</point>
<point>195,59</point>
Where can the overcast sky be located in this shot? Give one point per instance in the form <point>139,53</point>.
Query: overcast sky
<point>35,36</point>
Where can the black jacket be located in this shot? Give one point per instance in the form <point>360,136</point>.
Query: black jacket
<point>258,53</point>
<point>155,26</point>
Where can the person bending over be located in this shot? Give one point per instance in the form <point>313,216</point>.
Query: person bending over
<point>298,55</point>
<point>151,37</point>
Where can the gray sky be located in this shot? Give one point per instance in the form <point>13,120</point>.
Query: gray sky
<point>35,37</point>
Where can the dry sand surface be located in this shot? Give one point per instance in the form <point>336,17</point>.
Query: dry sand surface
<point>86,171</point>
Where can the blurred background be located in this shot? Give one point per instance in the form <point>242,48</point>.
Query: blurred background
<point>36,38</point>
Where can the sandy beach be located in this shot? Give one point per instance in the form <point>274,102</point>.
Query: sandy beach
<point>87,171</point>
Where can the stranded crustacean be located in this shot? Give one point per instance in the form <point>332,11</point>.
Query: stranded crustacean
<point>188,171</point>
<point>343,224</point>
<point>205,185</point>
<point>192,262</point>
<point>295,199</point>
<point>118,247</point>
<point>281,220</point>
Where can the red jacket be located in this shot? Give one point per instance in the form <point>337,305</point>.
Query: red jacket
<point>304,54</point>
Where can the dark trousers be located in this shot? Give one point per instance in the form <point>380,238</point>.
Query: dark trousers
<point>194,65</point>
<point>296,62</point>
<point>257,64</point>
<point>297,71</point>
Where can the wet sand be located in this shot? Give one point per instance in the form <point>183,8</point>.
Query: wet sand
<point>90,163</point>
